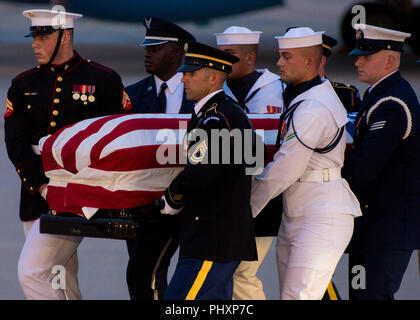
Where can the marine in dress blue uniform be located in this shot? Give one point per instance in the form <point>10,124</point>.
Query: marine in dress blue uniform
<point>39,102</point>
<point>216,227</point>
<point>384,170</point>
<point>150,253</point>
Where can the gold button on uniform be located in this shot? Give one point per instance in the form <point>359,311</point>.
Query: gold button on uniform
<point>24,180</point>
<point>196,218</point>
<point>56,100</point>
<point>28,107</point>
<point>32,189</point>
<point>59,79</point>
<point>53,124</point>
<point>55,113</point>
<point>18,170</point>
<point>58,89</point>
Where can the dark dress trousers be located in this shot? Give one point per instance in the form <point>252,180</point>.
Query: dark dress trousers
<point>151,252</point>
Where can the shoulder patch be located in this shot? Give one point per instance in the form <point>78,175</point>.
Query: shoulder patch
<point>211,118</point>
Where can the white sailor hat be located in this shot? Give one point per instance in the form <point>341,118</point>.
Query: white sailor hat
<point>299,38</point>
<point>237,35</point>
<point>49,21</point>
<point>371,39</point>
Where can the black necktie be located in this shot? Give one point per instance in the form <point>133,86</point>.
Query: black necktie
<point>162,98</point>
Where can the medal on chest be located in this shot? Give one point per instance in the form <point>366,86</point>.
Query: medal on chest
<point>83,92</point>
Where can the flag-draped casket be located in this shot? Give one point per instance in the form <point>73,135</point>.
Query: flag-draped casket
<point>123,161</point>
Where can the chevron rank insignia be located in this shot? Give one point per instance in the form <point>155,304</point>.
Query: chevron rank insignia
<point>126,102</point>
<point>9,108</point>
<point>199,152</point>
<point>377,125</point>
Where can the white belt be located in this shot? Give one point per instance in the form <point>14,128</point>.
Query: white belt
<point>321,175</point>
<point>35,148</point>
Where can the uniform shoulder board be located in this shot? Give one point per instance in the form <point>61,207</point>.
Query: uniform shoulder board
<point>28,72</point>
<point>100,66</point>
<point>348,94</point>
<point>338,85</point>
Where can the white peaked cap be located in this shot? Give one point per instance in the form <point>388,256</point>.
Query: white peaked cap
<point>299,38</point>
<point>40,18</point>
<point>237,35</point>
<point>378,33</point>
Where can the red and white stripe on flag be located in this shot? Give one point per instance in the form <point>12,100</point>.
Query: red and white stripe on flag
<point>110,162</point>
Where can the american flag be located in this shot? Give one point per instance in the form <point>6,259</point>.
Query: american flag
<point>110,162</point>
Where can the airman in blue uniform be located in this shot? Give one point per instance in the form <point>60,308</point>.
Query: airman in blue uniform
<point>161,92</point>
<point>384,170</point>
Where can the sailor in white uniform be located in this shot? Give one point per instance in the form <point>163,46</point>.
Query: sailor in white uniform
<point>257,91</point>
<point>318,205</point>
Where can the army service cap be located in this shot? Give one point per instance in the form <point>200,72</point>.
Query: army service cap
<point>159,31</point>
<point>199,55</point>
<point>44,22</point>
<point>327,44</point>
<point>372,39</point>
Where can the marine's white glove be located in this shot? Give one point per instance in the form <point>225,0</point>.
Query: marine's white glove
<point>168,209</point>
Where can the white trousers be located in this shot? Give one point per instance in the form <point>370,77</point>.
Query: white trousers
<point>40,254</point>
<point>246,284</point>
<point>308,251</point>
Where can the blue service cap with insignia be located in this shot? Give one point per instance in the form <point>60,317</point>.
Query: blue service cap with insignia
<point>44,22</point>
<point>327,44</point>
<point>199,55</point>
<point>372,39</point>
<point>159,31</point>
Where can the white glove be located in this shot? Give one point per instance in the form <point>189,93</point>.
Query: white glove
<point>168,209</point>
<point>44,192</point>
